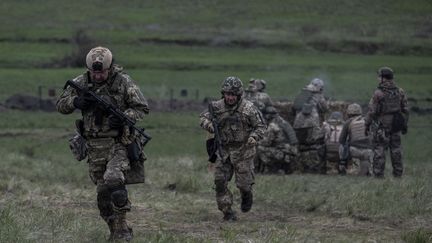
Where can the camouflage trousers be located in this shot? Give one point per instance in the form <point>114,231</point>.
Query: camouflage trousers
<point>383,141</point>
<point>361,160</point>
<point>273,159</point>
<point>107,160</point>
<point>311,159</point>
<point>239,163</point>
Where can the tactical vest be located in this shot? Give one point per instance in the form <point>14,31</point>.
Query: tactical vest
<point>95,120</point>
<point>357,132</point>
<point>233,126</point>
<point>391,101</point>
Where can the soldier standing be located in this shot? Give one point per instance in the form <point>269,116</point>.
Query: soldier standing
<point>278,149</point>
<point>386,119</point>
<point>240,126</point>
<point>107,137</point>
<point>355,144</point>
<point>309,108</point>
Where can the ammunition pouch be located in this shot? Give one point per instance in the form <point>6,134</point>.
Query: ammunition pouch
<point>77,145</point>
<point>77,142</point>
<point>133,151</point>
<point>398,123</point>
<point>136,158</point>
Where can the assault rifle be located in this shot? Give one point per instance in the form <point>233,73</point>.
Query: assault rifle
<point>110,109</point>
<point>214,144</point>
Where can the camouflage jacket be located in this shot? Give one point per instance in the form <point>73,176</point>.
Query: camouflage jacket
<point>260,99</point>
<point>381,107</point>
<point>119,89</point>
<point>279,132</point>
<point>236,124</point>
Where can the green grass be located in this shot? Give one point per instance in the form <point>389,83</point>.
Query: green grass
<point>167,46</point>
<point>47,196</point>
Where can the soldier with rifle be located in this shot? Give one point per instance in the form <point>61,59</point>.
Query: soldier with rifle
<point>386,119</point>
<point>238,126</point>
<point>110,103</point>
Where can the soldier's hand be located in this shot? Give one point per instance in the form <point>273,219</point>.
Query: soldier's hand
<point>405,130</point>
<point>251,141</point>
<point>84,101</point>
<point>115,122</point>
<point>367,132</point>
<point>210,128</point>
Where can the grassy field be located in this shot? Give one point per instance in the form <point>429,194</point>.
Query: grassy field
<point>46,196</point>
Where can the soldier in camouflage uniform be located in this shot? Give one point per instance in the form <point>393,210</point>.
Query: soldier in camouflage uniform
<point>355,144</point>
<point>332,128</point>
<point>256,94</point>
<point>386,119</point>
<point>107,136</point>
<point>240,126</point>
<point>309,108</point>
<point>278,149</point>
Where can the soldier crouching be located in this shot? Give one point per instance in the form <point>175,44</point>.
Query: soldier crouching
<point>239,127</point>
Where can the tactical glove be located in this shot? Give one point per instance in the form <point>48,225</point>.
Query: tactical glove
<point>115,122</point>
<point>84,101</point>
<point>405,130</point>
<point>210,128</point>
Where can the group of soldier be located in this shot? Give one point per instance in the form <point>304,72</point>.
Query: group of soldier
<point>334,145</point>
<point>248,135</point>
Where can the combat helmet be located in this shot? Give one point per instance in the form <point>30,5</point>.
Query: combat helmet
<point>385,72</point>
<point>99,58</point>
<point>270,112</point>
<point>232,85</point>
<point>260,84</point>
<point>354,109</point>
<point>316,85</point>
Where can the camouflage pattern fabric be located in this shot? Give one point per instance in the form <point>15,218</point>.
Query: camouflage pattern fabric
<point>311,159</point>
<point>236,125</point>
<point>386,100</point>
<point>260,99</point>
<point>107,153</point>
<point>278,147</point>
<point>361,161</point>
<point>359,146</point>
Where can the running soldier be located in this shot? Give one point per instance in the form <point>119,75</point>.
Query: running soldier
<point>239,126</point>
<point>107,138</point>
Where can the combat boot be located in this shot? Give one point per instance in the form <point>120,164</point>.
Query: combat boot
<point>230,215</point>
<point>110,222</point>
<point>121,231</point>
<point>247,200</point>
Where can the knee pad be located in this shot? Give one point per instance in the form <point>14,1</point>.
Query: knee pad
<point>104,201</point>
<point>119,196</point>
